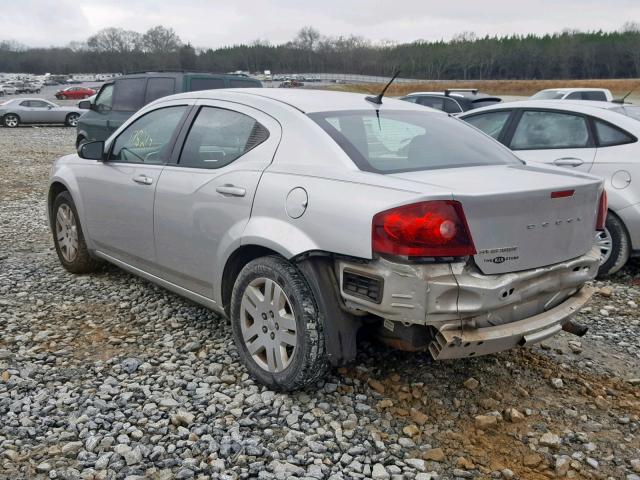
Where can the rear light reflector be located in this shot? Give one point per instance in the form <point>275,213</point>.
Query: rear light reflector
<point>425,229</point>
<point>603,206</point>
<point>562,194</point>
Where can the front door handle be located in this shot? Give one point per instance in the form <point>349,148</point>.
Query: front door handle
<point>143,180</point>
<point>568,162</point>
<point>231,190</point>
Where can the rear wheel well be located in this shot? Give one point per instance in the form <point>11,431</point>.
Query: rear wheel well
<point>235,263</point>
<point>55,189</point>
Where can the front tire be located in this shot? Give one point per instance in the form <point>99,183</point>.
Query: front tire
<point>614,246</point>
<point>11,120</point>
<point>277,326</point>
<point>72,120</point>
<point>68,237</point>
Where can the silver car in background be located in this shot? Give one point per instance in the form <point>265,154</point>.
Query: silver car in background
<point>600,138</point>
<point>304,215</point>
<point>36,110</point>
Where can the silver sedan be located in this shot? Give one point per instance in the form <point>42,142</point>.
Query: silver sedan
<point>305,215</point>
<point>36,110</point>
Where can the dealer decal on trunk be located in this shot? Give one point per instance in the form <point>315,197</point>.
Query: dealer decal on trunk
<point>505,254</point>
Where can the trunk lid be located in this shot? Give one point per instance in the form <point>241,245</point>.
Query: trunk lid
<point>515,222</point>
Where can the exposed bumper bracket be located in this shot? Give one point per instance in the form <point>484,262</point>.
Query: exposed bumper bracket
<point>456,343</point>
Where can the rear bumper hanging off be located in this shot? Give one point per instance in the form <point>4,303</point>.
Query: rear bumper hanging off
<point>458,343</point>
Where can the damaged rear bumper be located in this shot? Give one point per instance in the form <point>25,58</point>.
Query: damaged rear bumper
<point>464,306</point>
<point>460,342</point>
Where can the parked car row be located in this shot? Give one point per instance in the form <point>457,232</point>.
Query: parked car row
<point>304,215</point>
<point>18,88</point>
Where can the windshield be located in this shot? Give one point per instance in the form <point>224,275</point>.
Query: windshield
<point>629,111</point>
<point>548,95</point>
<point>402,141</point>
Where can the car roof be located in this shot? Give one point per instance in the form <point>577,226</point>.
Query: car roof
<point>572,89</point>
<point>455,93</point>
<point>305,100</point>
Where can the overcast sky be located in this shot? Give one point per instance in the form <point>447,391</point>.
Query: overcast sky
<point>213,23</point>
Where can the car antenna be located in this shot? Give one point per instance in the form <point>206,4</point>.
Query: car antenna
<point>621,100</point>
<point>378,99</point>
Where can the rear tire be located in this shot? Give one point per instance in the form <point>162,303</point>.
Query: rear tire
<point>68,237</point>
<point>614,246</point>
<point>11,120</point>
<point>272,307</point>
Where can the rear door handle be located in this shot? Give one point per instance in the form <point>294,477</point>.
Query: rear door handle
<point>231,190</point>
<point>143,180</point>
<point>568,162</point>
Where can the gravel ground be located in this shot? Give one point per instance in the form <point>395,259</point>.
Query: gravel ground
<point>109,376</point>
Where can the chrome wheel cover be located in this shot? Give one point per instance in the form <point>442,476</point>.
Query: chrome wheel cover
<point>268,325</point>
<point>67,232</point>
<point>605,244</point>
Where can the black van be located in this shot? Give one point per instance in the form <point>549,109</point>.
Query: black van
<point>120,98</point>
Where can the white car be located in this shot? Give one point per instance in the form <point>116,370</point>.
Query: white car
<point>596,137</point>
<point>6,89</point>
<point>595,94</point>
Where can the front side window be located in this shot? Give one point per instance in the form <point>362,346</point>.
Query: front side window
<point>148,139</point>
<point>219,136</point>
<point>542,130</point>
<point>104,101</point>
<point>490,123</point>
<point>39,104</point>
<point>575,96</point>
<point>548,95</point>
<point>401,141</point>
<point>129,94</point>
<point>608,135</point>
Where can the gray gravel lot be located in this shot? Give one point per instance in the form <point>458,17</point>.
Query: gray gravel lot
<point>109,376</point>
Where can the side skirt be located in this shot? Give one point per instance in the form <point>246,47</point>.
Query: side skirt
<point>183,292</point>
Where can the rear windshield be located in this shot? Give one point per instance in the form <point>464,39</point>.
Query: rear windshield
<point>633,112</point>
<point>402,141</point>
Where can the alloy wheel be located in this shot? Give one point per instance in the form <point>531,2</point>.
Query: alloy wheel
<point>73,120</point>
<point>268,325</point>
<point>605,244</point>
<point>67,233</point>
<point>11,121</point>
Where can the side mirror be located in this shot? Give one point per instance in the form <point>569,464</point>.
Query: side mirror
<point>85,105</point>
<point>92,151</point>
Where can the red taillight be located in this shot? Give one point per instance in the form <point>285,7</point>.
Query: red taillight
<point>603,206</point>
<point>426,229</point>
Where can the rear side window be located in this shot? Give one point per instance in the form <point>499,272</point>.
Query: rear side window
<point>402,141</point>
<point>129,94</point>
<point>451,106</point>
<point>158,88</point>
<point>433,102</point>
<point>539,130</point>
<point>594,95</point>
<point>608,135</point>
<point>219,136</point>
<point>490,123</point>
<point>196,84</point>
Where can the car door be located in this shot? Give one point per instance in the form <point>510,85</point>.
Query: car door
<point>44,112</point>
<point>204,198</point>
<point>118,193</point>
<point>555,137</point>
<point>94,122</point>
<point>26,112</point>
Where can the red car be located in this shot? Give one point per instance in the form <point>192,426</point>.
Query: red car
<point>71,93</point>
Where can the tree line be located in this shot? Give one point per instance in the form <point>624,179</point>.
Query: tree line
<point>565,55</point>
